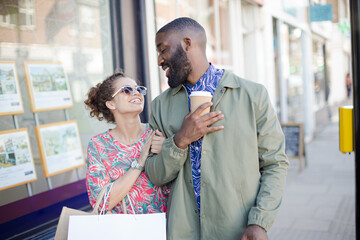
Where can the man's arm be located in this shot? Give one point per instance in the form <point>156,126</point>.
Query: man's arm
<point>163,167</point>
<point>273,164</point>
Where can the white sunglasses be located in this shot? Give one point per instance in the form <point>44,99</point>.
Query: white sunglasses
<point>131,90</point>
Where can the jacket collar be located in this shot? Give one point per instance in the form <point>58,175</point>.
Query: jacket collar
<point>177,89</point>
<point>229,80</point>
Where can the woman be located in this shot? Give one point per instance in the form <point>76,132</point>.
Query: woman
<point>118,155</point>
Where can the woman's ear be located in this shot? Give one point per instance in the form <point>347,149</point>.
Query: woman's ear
<point>110,105</point>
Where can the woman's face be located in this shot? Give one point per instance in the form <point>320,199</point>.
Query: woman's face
<point>123,101</point>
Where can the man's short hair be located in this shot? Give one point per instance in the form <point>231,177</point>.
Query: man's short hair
<point>180,24</point>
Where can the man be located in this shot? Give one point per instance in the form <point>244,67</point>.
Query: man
<point>227,167</point>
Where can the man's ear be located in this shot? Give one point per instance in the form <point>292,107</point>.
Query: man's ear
<point>187,43</point>
<point>110,105</point>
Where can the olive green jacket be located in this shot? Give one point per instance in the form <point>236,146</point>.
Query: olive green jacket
<point>243,166</point>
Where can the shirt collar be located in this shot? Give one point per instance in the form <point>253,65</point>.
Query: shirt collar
<point>209,72</point>
<point>204,80</point>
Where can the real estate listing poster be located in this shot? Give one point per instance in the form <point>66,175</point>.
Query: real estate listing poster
<point>48,86</point>
<point>60,147</point>
<point>16,161</point>
<point>10,96</point>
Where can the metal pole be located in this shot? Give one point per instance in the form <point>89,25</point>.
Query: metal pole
<point>48,180</point>
<point>36,119</point>
<point>29,189</point>
<point>67,118</point>
<point>66,113</point>
<point>16,124</point>
<point>355,52</point>
<point>37,123</point>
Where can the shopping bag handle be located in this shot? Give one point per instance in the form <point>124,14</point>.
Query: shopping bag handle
<point>99,198</point>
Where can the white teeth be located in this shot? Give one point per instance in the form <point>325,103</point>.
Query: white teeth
<point>135,100</point>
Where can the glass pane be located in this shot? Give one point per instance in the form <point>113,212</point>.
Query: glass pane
<point>295,80</point>
<point>187,8</point>
<point>208,22</point>
<point>225,32</point>
<point>13,19</point>
<point>23,18</point>
<point>87,60</point>
<point>319,73</point>
<point>165,11</point>
<point>276,61</point>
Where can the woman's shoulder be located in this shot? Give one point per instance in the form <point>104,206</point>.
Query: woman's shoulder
<point>146,129</point>
<point>100,138</point>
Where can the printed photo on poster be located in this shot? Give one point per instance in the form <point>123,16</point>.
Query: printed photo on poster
<point>16,161</point>
<point>48,86</point>
<point>10,96</point>
<point>60,147</point>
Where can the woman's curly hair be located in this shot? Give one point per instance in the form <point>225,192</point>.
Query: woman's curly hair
<point>99,95</point>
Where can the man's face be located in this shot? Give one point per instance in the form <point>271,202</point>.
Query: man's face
<point>173,59</point>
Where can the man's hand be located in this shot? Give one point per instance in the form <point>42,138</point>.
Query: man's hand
<point>195,126</point>
<point>254,232</point>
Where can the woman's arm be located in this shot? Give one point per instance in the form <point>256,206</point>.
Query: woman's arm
<point>124,183</point>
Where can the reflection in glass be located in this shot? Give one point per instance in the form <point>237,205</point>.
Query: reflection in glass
<point>74,33</point>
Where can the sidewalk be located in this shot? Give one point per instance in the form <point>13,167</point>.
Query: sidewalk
<point>319,202</point>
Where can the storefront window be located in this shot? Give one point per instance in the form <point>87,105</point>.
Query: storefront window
<point>73,33</point>
<point>291,71</point>
<point>319,74</point>
<point>295,79</point>
<point>212,15</point>
<point>225,56</point>
<point>277,67</point>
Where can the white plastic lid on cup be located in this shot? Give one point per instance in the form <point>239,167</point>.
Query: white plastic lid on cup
<point>200,94</point>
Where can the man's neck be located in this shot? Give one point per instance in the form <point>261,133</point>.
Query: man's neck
<point>197,72</point>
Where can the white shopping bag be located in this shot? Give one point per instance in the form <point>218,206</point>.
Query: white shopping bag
<point>118,226</point>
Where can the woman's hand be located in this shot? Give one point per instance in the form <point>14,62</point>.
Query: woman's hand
<point>124,183</point>
<point>145,148</point>
<point>157,142</point>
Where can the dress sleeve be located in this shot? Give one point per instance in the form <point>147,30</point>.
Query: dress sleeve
<point>97,176</point>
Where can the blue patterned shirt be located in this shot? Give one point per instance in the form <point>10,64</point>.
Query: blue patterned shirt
<point>208,82</point>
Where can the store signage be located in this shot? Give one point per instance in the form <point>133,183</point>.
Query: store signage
<point>319,13</point>
<point>344,27</point>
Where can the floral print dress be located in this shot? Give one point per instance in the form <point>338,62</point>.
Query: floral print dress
<point>108,160</point>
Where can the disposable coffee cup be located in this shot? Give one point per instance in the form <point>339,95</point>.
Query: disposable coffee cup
<point>199,97</point>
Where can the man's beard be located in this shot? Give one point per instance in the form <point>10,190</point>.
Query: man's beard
<point>179,67</point>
